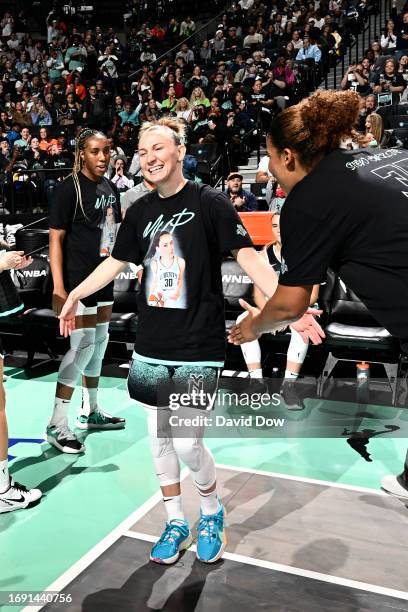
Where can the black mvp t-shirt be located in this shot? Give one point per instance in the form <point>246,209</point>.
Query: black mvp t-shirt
<point>351,214</point>
<point>90,230</point>
<point>180,240</point>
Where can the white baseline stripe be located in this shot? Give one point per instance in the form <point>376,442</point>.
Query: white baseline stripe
<point>288,569</point>
<point>95,552</point>
<point>324,483</point>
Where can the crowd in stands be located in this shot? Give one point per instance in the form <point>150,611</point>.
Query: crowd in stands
<point>261,57</point>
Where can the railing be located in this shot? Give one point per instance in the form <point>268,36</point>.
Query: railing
<point>371,31</point>
<point>9,191</point>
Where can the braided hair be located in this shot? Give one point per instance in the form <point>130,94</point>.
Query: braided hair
<point>80,144</point>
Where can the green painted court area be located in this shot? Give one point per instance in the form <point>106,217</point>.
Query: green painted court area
<point>87,496</point>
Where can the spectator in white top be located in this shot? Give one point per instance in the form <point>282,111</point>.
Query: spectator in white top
<point>263,174</point>
<point>148,55</point>
<point>389,39</point>
<point>13,43</point>
<point>122,182</point>
<point>107,63</point>
<point>296,40</point>
<point>252,38</point>
<point>246,4</point>
<point>187,27</point>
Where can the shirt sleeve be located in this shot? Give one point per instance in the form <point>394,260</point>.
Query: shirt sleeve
<point>127,245</point>
<point>309,246</point>
<point>62,205</point>
<point>229,231</point>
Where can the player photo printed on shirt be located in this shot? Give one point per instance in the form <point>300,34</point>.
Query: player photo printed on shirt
<point>165,269</point>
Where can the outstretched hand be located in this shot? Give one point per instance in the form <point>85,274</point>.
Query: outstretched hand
<point>244,331</point>
<point>67,316</point>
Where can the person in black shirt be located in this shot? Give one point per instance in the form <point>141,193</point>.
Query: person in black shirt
<point>84,216</point>
<point>13,495</point>
<point>178,233</point>
<point>336,202</point>
<point>390,82</point>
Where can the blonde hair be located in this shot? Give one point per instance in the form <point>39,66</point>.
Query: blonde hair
<point>377,127</point>
<point>180,101</point>
<point>80,144</point>
<point>172,127</point>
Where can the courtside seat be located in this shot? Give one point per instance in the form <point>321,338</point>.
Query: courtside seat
<point>353,335</point>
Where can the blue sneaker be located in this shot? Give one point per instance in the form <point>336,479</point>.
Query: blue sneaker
<point>212,537</point>
<point>175,537</point>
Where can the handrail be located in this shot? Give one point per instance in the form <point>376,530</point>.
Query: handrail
<point>166,53</point>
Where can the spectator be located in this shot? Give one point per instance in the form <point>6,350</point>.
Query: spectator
<point>198,97</point>
<point>389,38</point>
<point>46,142</point>
<point>197,80</point>
<point>129,114</point>
<point>244,201</point>
<point>187,28</point>
<point>355,79</point>
<point>169,104</point>
<point>93,109</point>
<point>24,141</point>
<point>183,109</point>
<point>309,51</point>
<point>252,38</point>
<point>185,54</point>
<point>119,178</point>
<point>390,82</point>
<point>402,36</point>
<point>263,174</point>
<point>75,56</point>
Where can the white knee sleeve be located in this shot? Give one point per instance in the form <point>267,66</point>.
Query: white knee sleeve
<point>82,344</point>
<point>297,349</point>
<point>165,459</point>
<point>94,366</point>
<point>250,350</point>
<point>198,459</point>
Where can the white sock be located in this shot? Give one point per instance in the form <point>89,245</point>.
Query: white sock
<point>174,508</point>
<point>209,502</point>
<point>289,374</point>
<point>89,400</point>
<point>255,373</point>
<point>4,476</point>
<point>60,412</point>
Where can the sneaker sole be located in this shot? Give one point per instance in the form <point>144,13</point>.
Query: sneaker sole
<point>64,449</point>
<point>92,426</point>
<point>183,546</point>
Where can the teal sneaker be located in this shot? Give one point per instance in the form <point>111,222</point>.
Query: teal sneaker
<point>175,537</point>
<point>100,420</point>
<point>212,537</point>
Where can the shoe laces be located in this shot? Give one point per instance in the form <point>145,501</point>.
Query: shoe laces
<point>19,487</point>
<point>65,432</point>
<point>172,531</point>
<point>210,525</point>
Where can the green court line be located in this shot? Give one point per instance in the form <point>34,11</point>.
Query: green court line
<point>87,496</point>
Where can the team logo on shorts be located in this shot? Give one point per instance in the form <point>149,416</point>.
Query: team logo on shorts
<point>195,383</point>
<point>241,231</point>
<point>284,267</point>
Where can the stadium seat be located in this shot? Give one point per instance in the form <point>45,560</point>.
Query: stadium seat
<point>353,335</point>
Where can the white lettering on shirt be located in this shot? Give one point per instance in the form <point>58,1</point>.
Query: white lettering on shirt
<point>176,220</point>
